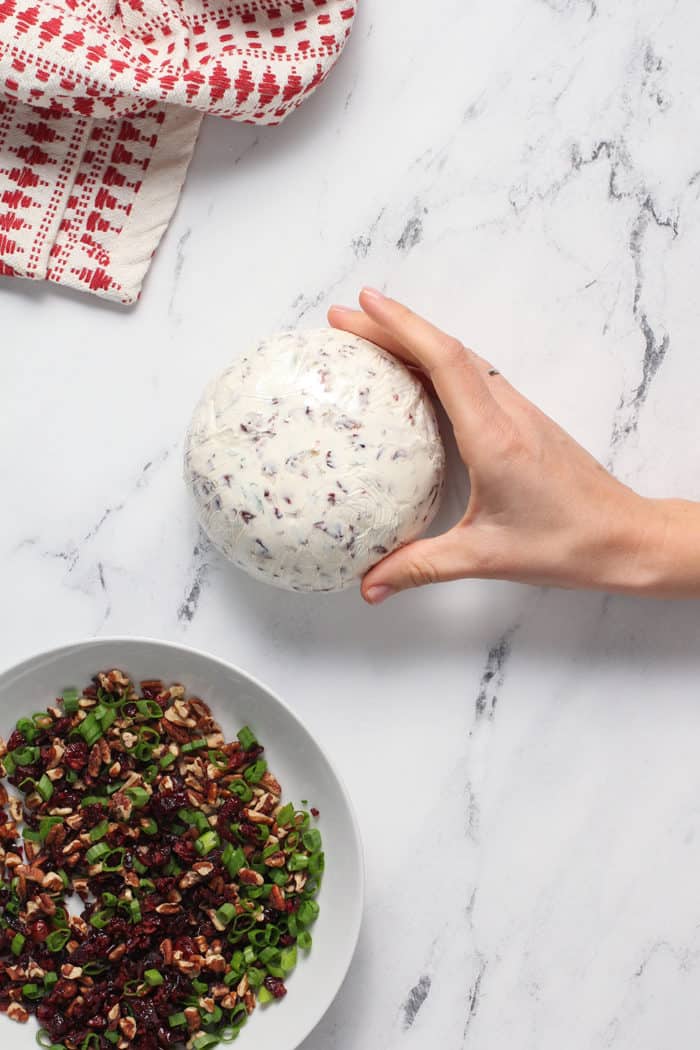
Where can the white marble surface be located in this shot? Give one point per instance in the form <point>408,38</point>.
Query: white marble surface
<point>525,763</point>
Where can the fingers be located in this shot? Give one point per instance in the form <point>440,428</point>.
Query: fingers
<point>446,557</point>
<point>454,370</point>
<point>358,323</point>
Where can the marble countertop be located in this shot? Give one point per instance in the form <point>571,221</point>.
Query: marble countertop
<point>524,762</point>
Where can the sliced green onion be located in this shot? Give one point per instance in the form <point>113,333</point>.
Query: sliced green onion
<point>101,918</point>
<point>207,842</point>
<point>26,727</point>
<point>247,738</point>
<point>147,885</point>
<point>149,826</point>
<point>9,764</point>
<point>298,862</point>
<point>60,919</point>
<point>97,852</point>
<point>32,991</point>
<point>150,773</point>
<point>225,913</point>
<point>270,955</point>
<point>193,745</point>
<point>255,977</point>
<point>99,831</point>
<point>212,1017</point>
<point>45,825</point>
<point>110,864</point>
<point>308,912</point>
<point>57,940</point>
<point>91,1040</point>
<point>254,774</point>
<point>203,1041</point>
<point>50,979</point>
<point>200,987</point>
<point>288,959</point>
<point>233,859</point>
<point>44,1039</point>
<point>304,940</point>
<point>149,709</point>
<point>139,867</point>
<point>94,800</point>
<point>135,911</point>
<point>241,789</point>
<point>167,760</point>
<point>31,836</point>
<point>133,988</point>
<point>317,863</point>
<point>139,796</point>
<point>113,1037</point>
<point>92,969</point>
<point>70,701</point>
<point>175,1020</point>
<point>264,996</point>
<point>107,717</point>
<point>285,815</point>
<point>149,735</point>
<point>218,759</point>
<point>17,943</point>
<point>90,729</point>
<point>312,840</point>
<point>240,925</point>
<point>153,978</point>
<point>25,756</point>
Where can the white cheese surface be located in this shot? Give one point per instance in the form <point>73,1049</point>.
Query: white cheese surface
<point>312,457</point>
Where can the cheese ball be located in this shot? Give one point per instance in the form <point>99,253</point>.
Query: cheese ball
<point>313,457</point>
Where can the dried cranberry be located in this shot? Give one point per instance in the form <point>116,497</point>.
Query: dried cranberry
<point>66,798</point>
<point>275,987</point>
<point>249,831</point>
<point>61,727</point>
<point>40,931</point>
<point>229,812</point>
<point>315,812</point>
<point>95,947</point>
<point>76,756</point>
<point>165,803</point>
<point>16,740</point>
<point>185,850</point>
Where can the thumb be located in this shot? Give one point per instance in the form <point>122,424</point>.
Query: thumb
<point>436,560</point>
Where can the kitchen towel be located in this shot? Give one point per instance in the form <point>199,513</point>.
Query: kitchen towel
<point>100,106</point>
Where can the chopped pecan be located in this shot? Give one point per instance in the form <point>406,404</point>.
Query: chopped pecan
<point>16,1012</point>
<point>250,878</point>
<point>128,1026</point>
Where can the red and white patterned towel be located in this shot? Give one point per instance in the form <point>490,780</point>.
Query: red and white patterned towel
<point>100,105</point>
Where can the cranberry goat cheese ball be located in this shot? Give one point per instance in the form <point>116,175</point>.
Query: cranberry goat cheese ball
<point>312,457</point>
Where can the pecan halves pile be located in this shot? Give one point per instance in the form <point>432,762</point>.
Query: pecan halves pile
<point>197,885</point>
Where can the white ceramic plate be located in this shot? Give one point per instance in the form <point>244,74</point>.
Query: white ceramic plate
<point>296,760</point>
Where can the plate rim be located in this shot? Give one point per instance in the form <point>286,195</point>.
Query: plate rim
<point>116,639</point>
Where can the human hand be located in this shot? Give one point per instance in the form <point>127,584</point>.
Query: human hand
<point>542,510</point>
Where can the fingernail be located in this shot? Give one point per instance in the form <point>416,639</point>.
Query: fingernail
<point>379,593</point>
<point>372,293</point>
<point>341,308</point>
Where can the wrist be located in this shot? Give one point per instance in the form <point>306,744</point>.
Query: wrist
<point>655,549</point>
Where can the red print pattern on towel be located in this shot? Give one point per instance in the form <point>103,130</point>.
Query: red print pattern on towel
<point>100,105</point>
